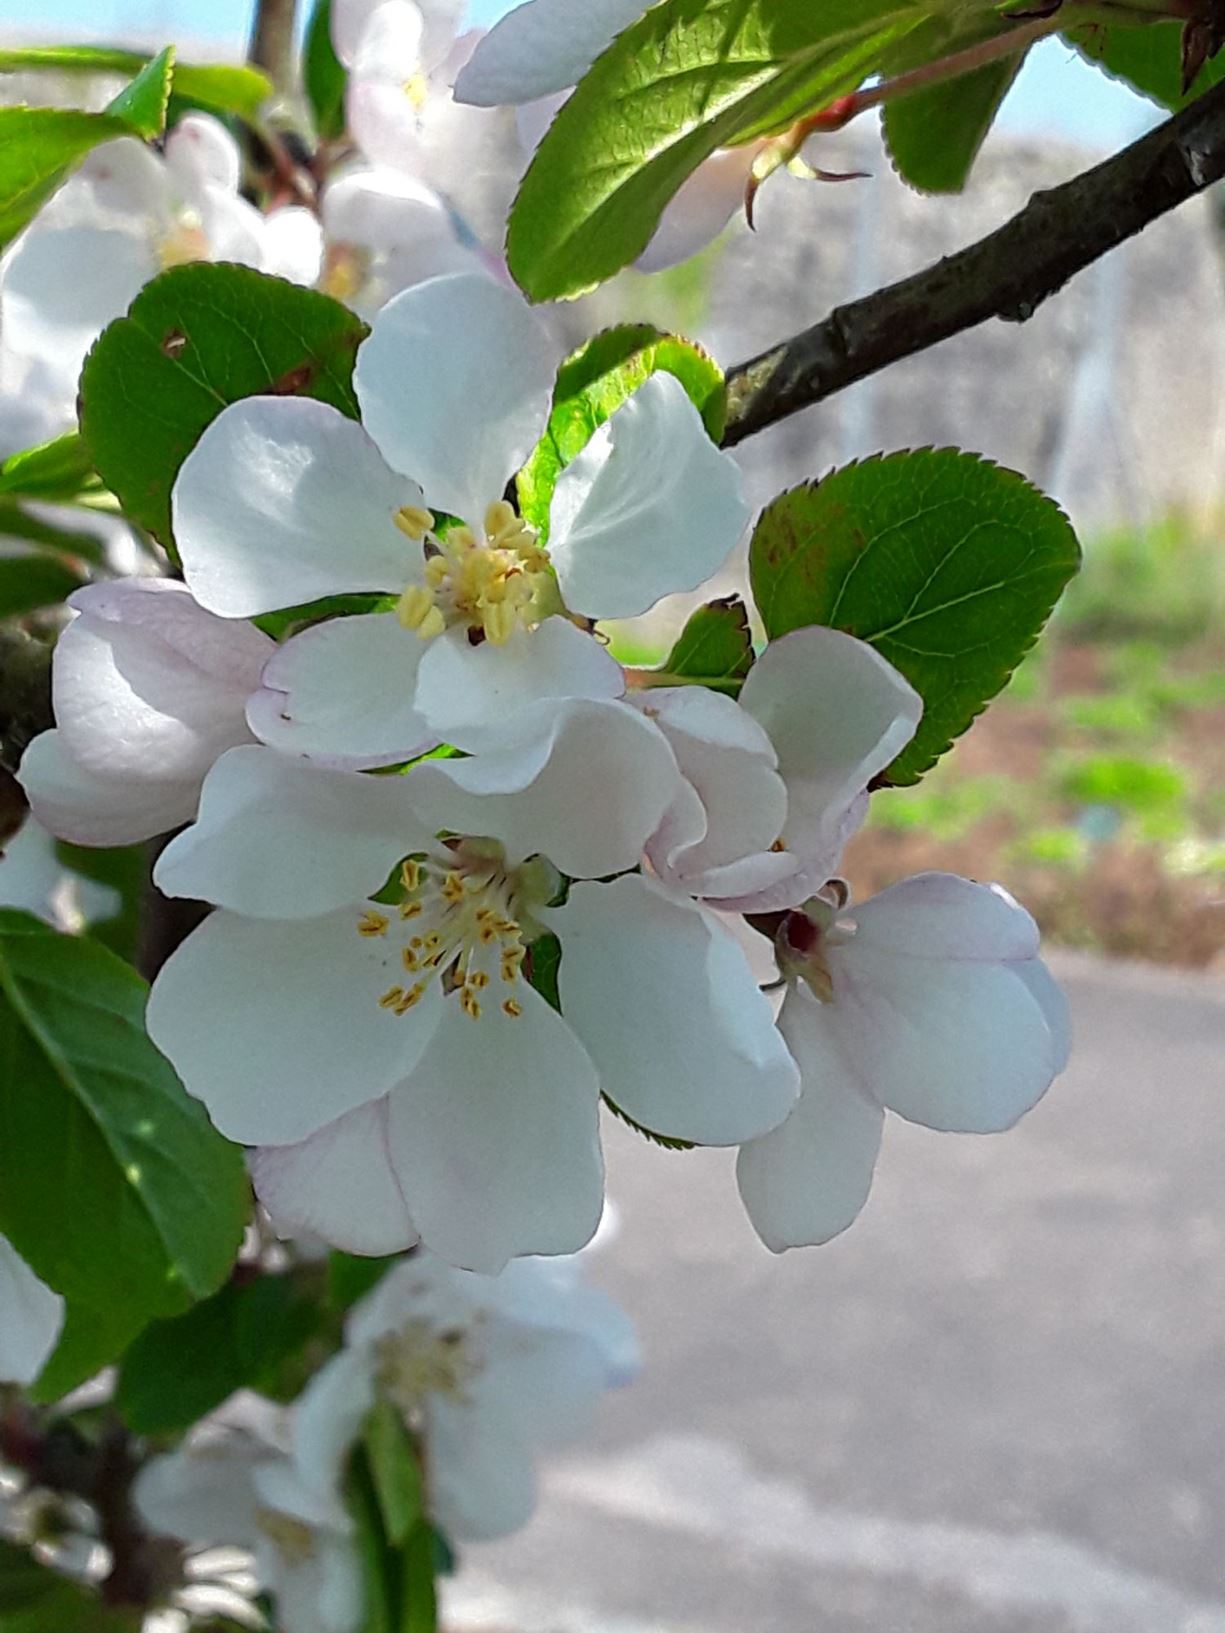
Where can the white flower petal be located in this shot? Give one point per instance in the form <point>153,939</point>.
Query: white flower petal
<point>338,1185</point>
<point>282,501</point>
<point>837,714</point>
<point>389,46</point>
<point>481,1486</point>
<point>1053,1002</point>
<point>277,1027</point>
<point>324,1593</point>
<point>495,1137</point>
<point>31,1318</point>
<point>455,384</point>
<point>806,1181</point>
<point>953,1044</point>
<point>549,1293</point>
<point>542,46</point>
<point>545,1385</point>
<point>278,838</point>
<point>201,152</point>
<point>469,693</point>
<point>385,124</point>
<point>938,915</point>
<point>583,783</point>
<point>700,209</point>
<point>205,1496</point>
<point>146,684</point>
<point>649,507</point>
<point>663,998</point>
<point>88,809</point>
<point>328,1418</point>
<point>292,244</point>
<point>342,694</point>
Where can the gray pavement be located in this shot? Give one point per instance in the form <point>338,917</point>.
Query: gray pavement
<point>997,1404</point>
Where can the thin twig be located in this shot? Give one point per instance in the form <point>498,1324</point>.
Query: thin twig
<point>1005,275</point>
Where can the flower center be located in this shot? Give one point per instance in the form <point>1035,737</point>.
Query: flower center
<point>417,89</point>
<point>495,585</point>
<point>806,936</point>
<point>459,922</point>
<point>418,1361</point>
<point>293,1539</point>
<point>345,270</point>
<point>185,242</point>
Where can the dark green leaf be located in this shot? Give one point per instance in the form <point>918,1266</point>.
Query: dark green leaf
<point>1148,57</point>
<point>124,869</point>
<point>594,382</point>
<point>351,1277</point>
<point>195,340</point>
<point>419,1605</point>
<point>16,523</point>
<point>323,75</point>
<point>689,77</point>
<point>380,1567</point>
<point>395,1469</point>
<point>39,146</point>
<point>153,1200</point>
<point>715,648</point>
<point>34,580</point>
<point>934,135</point>
<point>34,1599</point>
<point>238,1339</point>
<point>219,86</point>
<point>544,960</point>
<point>947,564</point>
<point>54,470</point>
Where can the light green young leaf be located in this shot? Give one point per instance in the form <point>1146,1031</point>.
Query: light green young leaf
<point>114,1186</point>
<point>1147,57</point>
<point>323,75</point>
<point>39,146</point>
<point>593,383</point>
<point>194,340</point>
<point>75,543</point>
<point>934,134</point>
<point>715,648</point>
<point>395,1469</point>
<point>59,469</point>
<point>221,87</point>
<point>945,563</point>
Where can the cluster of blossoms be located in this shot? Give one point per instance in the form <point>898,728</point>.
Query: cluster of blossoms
<point>483,1372</point>
<point>468,880</point>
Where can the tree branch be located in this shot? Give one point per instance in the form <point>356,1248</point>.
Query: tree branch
<point>272,40</point>
<point>1005,275</point>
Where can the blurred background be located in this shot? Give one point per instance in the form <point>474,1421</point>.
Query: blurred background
<point>998,1403</point>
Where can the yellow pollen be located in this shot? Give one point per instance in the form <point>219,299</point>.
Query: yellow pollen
<point>479,979</point>
<point>417,90</point>
<point>512,1008</point>
<point>183,244</point>
<point>410,874</point>
<point>469,1003</point>
<point>373,923</point>
<point>345,269</point>
<point>411,997</point>
<point>410,910</point>
<point>453,888</point>
<point>392,997</point>
<point>419,1361</point>
<point>414,521</point>
<point>292,1538</point>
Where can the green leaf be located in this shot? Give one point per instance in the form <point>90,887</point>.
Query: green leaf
<point>16,523</point>
<point>39,146</point>
<point>152,1202</point>
<point>34,580</point>
<point>945,563</point>
<point>380,1567</point>
<point>934,135</point>
<point>395,1469</point>
<point>123,868</point>
<point>35,1599</point>
<point>194,340</point>
<point>240,1338</point>
<point>419,1601</point>
<point>1147,57</point>
<point>351,1277</point>
<point>689,77</point>
<point>544,962</point>
<point>594,382</point>
<point>715,648</point>
<point>54,470</point>
<point>323,75</point>
<point>219,86</point>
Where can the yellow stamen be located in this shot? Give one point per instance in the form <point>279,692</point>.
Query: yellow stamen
<point>511,1008</point>
<point>415,522</point>
<point>373,923</point>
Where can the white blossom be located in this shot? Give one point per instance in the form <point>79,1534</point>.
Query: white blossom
<point>929,1000</point>
<point>31,1318</point>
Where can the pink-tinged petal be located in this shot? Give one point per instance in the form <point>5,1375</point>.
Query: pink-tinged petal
<point>338,1185</point>
<point>583,783</point>
<point>837,714</point>
<point>385,124</point>
<point>31,1319</point>
<point>495,1136</point>
<point>650,507</point>
<point>342,694</point>
<point>89,809</point>
<point>280,839</point>
<point>455,384</point>
<point>953,1044</point>
<point>698,212</point>
<point>147,685</point>
<point>389,42</point>
<point>469,693</point>
<point>729,762</point>
<point>938,915</point>
<point>662,996</point>
<point>806,1181</point>
<point>277,1027</point>
<point>201,152</point>
<point>283,501</point>
<point>542,46</point>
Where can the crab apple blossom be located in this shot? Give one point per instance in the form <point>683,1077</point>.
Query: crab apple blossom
<point>148,689</point>
<point>391,1058</point>
<point>775,784</point>
<point>33,877</point>
<point>126,215</point>
<point>929,1000</point>
<point>31,1318</point>
<point>485,614</point>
